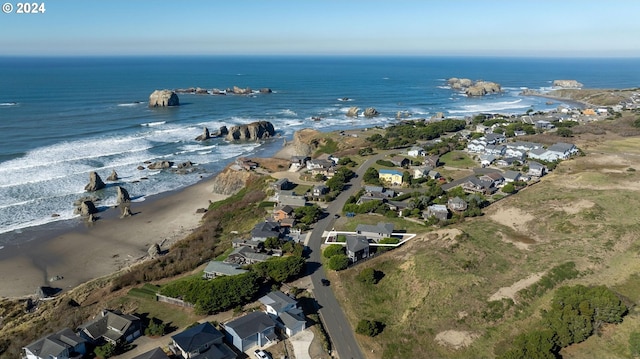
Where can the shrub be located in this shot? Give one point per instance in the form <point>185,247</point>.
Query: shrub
<point>156,328</point>
<point>369,276</point>
<point>338,262</point>
<point>369,327</point>
<point>332,250</point>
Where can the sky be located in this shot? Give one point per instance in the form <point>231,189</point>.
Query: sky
<point>518,28</point>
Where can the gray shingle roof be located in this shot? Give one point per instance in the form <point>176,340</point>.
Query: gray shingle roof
<point>277,300</point>
<point>54,344</point>
<point>156,353</point>
<point>383,228</point>
<point>356,243</point>
<point>216,267</point>
<point>196,337</point>
<point>250,324</point>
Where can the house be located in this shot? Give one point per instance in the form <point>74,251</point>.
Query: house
<point>476,146</point>
<point>156,353</point>
<point>434,174</point>
<point>325,172</point>
<point>217,268</point>
<point>285,312</point>
<point>496,150</point>
<point>508,161</point>
<point>562,150</point>
<point>421,172</point>
<point>472,184</point>
<point>289,199</point>
<point>357,248</point>
<point>264,230</point>
<point>319,163</point>
<point>400,161</point>
<point>113,327</point>
<point>398,206</point>
<point>439,211</point>
<point>538,154</point>
<point>432,161</point>
<point>546,125</point>
<point>393,177</point>
<point>377,232</point>
<point>299,161</point>
<point>486,160</point>
<point>64,344</point>
<point>512,176</point>
<point>282,184</point>
<point>319,190</point>
<point>495,138</point>
<point>536,169</point>
<point>236,243</point>
<point>245,255</point>
<point>277,303</point>
<point>203,341</point>
<point>283,212</point>
<point>416,151</point>
<point>246,164</point>
<point>457,204</point>
<point>253,329</point>
<point>379,192</point>
<point>495,178</point>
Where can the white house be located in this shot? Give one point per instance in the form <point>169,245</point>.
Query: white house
<point>416,151</point>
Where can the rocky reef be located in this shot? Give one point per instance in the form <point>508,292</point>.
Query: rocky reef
<point>567,84</point>
<point>251,132</point>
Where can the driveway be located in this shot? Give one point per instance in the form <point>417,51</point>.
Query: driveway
<point>301,343</point>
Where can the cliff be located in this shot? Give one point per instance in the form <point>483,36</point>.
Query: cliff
<point>230,181</point>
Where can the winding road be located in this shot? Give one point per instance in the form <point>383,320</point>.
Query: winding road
<point>336,324</point>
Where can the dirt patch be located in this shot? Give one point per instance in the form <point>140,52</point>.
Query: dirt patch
<point>522,245</point>
<point>456,339</point>
<point>512,217</point>
<point>576,207</point>
<point>510,292</point>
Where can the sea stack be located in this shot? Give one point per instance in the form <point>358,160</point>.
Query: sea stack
<point>163,98</point>
<point>113,176</point>
<point>95,182</point>
<point>123,196</point>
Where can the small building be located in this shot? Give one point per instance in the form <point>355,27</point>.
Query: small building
<point>416,151</point>
<point>283,212</point>
<point>62,344</point>
<point>264,230</point>
<point>245,255</point>
<point>282,184</point>
<point>421,172</point>
<point>320,190</point>
<point>512,176</point>
<point>253,329</point>
<point>457,204</point>
<point>432,161</point>
<point>246,164</point>
<point>201,341</point>
<point>546,125</point>
<point>439,211</point>
<point>536,169</point>
<point>393,177</point>
<point>319,163</point>
<point>289,199</point>
<point>487,160</point>
<point>400,161</point>
<point>217,268</point>
<point>495,178</point>
<point>357,248</point>
<point>285,312</point>
<point>377,232</point>
<point>111,326</point>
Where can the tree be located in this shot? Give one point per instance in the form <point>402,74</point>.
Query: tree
<point>338,262</point>
<point>369,276</point>
<point>564,132</point>
<point>272,242</point>
<point>106,351</point>
<point>371,176</point>
<point>156,328</point>
<point>406,177</point>
<point>308,214</point>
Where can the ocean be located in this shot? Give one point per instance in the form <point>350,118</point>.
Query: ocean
<point>61,118</point>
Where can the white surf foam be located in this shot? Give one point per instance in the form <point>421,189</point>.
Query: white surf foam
<point>153,124</point>
<point>8,103</point>
<point>491,107</point>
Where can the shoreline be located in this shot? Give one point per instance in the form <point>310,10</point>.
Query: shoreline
<point>80,252</point>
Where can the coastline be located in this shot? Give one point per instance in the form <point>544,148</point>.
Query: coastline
<point>85,251</point>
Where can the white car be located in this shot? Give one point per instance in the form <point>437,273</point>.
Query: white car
<point>261,354</point>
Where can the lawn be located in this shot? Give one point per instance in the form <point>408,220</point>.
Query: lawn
<point>458,159</point>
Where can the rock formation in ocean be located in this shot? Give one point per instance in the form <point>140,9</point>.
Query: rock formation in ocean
<point>239,91</point>
<point>159,165</point>
<point>95,182</point>
<point>568,84</point>
<point>353,111</point>
<point>251,132</point>
<point>163,98</point>
<point>113,176</point>
<point>223,131</point>
<point>86,208</point>
<point>478,88</point>
<point>371,112</point>
<point>204,136</point>
<point>122,196</point>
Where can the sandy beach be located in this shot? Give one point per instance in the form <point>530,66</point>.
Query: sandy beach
<point>82,252</point>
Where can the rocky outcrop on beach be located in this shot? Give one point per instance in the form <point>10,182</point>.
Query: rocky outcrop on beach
<point>86,208</point>
<point>251,132</point>
<point>567,84</point>
<point>154,250</point>
<point>113,176</point>
<point>353,111</point>
<point>204,136</point>
<point>230,181</point>
<point>95,182</point>
<point>477,88</point>
<point>371,112</point>
<point>122,196</point>
<point>163,98</point>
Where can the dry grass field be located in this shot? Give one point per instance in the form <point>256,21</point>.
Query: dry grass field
<point>435,294</point>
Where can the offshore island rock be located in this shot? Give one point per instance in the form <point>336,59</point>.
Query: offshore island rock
<point>371,112</point>
<point>204,136</point>
<point>478,88</point>
<point>159,165</point>
<point>95,182</point>
<point>251,132</point>
<point>567,84</point>
<point>163,98</point>
<point>353,112</point>
<point>123,196</point>
<point>113,176</point>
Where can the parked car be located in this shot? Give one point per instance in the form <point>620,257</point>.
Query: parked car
<point>325,282</point>
<point>261,354</point>
<point>336,216</point>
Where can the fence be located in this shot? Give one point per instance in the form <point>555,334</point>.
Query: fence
<point>174,301</point>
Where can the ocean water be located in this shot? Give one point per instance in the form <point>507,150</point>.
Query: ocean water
<point>61,118</point>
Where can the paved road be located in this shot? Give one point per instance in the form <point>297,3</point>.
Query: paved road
<point>342,336</point>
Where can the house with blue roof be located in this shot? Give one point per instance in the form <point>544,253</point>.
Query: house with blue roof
<point>394,177</point>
